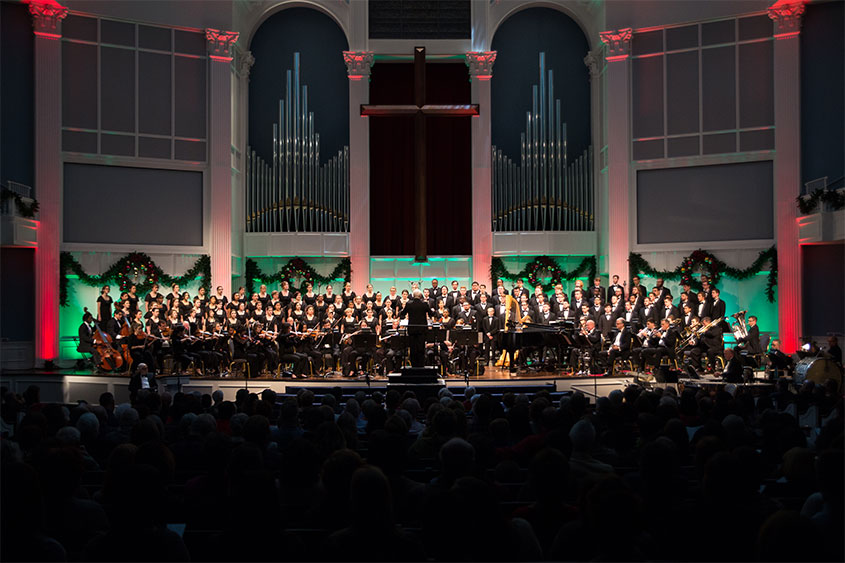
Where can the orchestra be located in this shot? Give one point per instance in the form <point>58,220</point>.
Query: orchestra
<point>287,332</point>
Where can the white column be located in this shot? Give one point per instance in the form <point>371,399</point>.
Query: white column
<point>593,61</point>
<point>481,71</point>
<point>618,44</point>
<point>220,154</point>
<point>358,65</point>
<point>46,20</point>
<point>787,85</point>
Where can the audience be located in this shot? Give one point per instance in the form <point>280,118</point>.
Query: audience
<point>643,474</point>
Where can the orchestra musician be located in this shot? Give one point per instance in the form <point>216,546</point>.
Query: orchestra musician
<point>207,332</point>
<point>621,346</point>
<point>666,337</point>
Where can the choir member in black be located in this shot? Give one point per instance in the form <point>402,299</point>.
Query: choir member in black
<point>596,290</point>
<point>586,313</point>
<point>613,287</point>
<point>174,293</point>
<point>592,344</point>
<point>649,337</point>
<point>466,314</point>
<point>648,312</point>
<point>519,290</point>
<point>348,326</point>
<point>667,336</point>
<point>153,330</point>
<point>347,294</point>
<point>703,306</point>
<point>632,320</point>
<point>606,321</point>
<point>104,307</point>
<point>132,297</point>
<point>669,310</point>
<point>285,295</point>
<point>687,318</point>
<point>151,298</point>
<point>717,306</point>
<point>490,326</point>
<point>565,313</point>
<point>620,346</point>
<point>86,337</point>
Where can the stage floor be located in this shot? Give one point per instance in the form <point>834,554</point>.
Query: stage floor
<point>69,386</point>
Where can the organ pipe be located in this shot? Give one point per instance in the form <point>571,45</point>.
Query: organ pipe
<point>295,191</point>
<point>546,189</point>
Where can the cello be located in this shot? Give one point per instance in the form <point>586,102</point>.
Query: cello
<point>110,359</point>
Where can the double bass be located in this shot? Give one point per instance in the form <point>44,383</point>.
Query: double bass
<point>110,359</point>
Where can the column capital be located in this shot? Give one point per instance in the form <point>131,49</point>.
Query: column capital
<point>592,61</point>
<point>358,64</point>
<point>618,43</point>
<point>787,16</point>
<point>245,62</point>
<point>480,64</point>
<point>46,18</point>
<point>220,44</point>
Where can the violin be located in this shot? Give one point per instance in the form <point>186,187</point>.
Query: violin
<point>125,332</point>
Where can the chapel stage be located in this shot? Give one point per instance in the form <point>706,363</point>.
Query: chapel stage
<point>71,385</point>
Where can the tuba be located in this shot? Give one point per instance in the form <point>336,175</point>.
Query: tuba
<point>739,328</point>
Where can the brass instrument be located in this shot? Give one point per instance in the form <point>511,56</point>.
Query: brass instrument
<point>698,332</point>
<point>739,328</point>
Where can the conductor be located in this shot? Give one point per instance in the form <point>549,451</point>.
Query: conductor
<point>417,312</point>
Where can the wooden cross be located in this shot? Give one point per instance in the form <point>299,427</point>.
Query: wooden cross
<point>419,109</point>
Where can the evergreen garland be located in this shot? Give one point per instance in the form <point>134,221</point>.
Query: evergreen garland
<point>295,269</point>
<point>703,261</point>
<point>124,270</point>
<point>27,210</point>
<point>533,271</point>
<point>808,203</point>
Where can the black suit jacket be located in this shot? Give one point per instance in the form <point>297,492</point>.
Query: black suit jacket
<point>702,309</point>
<point>752,341</point>
<point>135,384</point>
<point>611,290</point>
<point>625,341</point>
<point>673,311</point>
<point>717,309</point>
<point>593,292</point>
<point>468,317</point>
<point>490,324</point>
<point>541,318</point>
<point>605,325</point>
<point>648,314</point>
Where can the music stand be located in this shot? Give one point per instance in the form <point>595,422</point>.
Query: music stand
<point>365,339</point>
<point>333,337</point>
<point>465,337</point>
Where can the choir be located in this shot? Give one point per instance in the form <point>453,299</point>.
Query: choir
<point>293,333</point>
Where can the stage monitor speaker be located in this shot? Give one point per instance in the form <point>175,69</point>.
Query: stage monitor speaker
<point>664,374</point>
<point>418,375</point>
